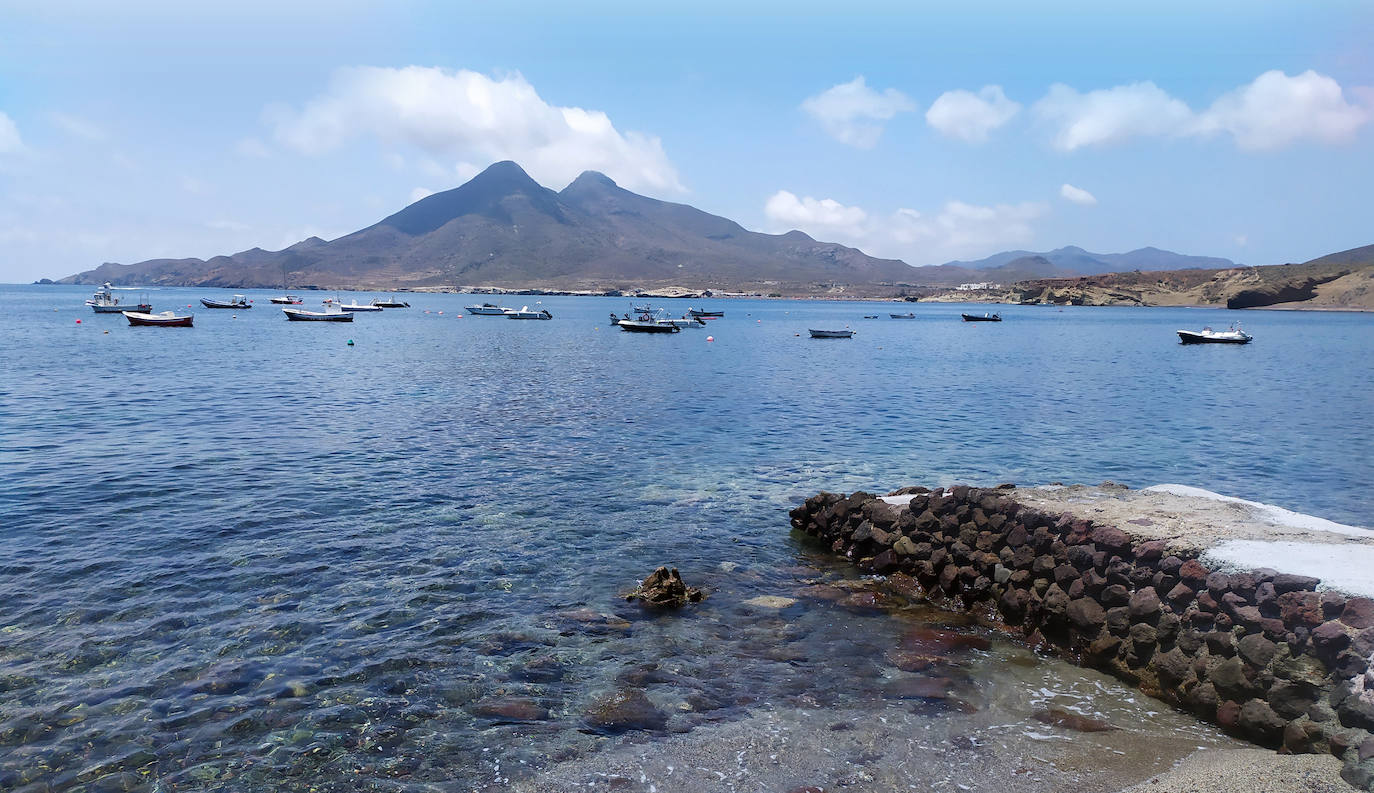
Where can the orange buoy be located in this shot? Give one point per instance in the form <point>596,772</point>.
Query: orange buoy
<point>710,338</point>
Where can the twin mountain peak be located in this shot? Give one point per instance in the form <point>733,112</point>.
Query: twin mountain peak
<point>504,229</point>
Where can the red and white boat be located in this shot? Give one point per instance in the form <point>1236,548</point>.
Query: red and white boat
<point>168,319</point>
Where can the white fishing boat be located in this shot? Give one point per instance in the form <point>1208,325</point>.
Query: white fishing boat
<point>391,302</point>
<point>487,310</point>
<point>1208,336</point>
<point>331,314</point>
<point>237,302</point>
<point>168,319</point>
<point>287,300</point>
<point>356,306</point>
<point>105,301</point>
<point>525,313</point>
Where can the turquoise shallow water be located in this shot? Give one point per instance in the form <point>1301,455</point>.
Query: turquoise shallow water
<point>247,555</point>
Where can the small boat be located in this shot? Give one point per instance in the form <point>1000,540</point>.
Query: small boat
<point>390,303</point>
<point>356,306</point>
<point>644,309</point>
<point>487,310</point>
<point>167,319</point>
<point>705,314</point>
<point>907,315</point>
<point>287,300</point>
<point>525,313</point>
<point>237,302</point>
<point>1208,336</point>
<point>301,315</point>
<point>682,322</point>
<point>870,316</point>
<point>105,301</point>
<point>984,318</point>
<point>831,334</point>
<point>647,326</point>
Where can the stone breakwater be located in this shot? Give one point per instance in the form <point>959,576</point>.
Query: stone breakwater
<point>1263,654</point>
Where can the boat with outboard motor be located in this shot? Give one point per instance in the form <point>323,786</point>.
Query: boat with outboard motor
<point>287,300</point>
<point>525,313</point>
<point>907,315</point>
<point>390,302</point>
<point>830,334</point>
<point>330,314</point>
<point>1208,336</point>
<point>237,302</point>
<point>704,314</point>
<point>984,318</point>
<point>165,319</point>
<point>487,310</point>
<point>105,301</point>
<point>356,306</point>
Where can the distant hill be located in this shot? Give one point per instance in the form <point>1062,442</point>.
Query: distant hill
<point>1072,260</point>
<point>503,229</point>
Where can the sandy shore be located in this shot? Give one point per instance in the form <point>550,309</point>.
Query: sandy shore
<point>1248,771</point>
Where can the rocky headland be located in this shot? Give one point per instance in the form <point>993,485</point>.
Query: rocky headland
<point>1187,596</point>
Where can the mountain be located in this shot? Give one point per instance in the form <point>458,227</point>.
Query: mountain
<point>1072,260</point>
<point>503,229</point>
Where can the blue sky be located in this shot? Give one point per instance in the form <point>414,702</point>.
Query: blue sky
<point>924,131</point>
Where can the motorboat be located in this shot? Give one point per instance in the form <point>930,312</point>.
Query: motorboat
<point>168,319</point>
<point>487,310</point>
<point>984,318</point>
<point>704,314</point>
<point>830,334</point>
<point>644,309</point>
<point>907,315</point>
<point>238,301</point>
<point>287,300</point>
<point>390,302</point>
<point>647,326</point>
<point>356,306</point>
<point>1208,336</point>
<point>870,316</point>
<point>331,315</point>
<point>105,301</point>
<point>526,313</point>
<point>682,322</point>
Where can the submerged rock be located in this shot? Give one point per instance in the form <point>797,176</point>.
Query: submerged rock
<point>664,588</point>
<point>625,710</point>
<point>1069,720</point>
<point>510,709</point>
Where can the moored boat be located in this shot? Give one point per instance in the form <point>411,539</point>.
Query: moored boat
<point>704,314</point>
<point>302,315</point>
<point>525,313</point>
<point>238,301</point>
<point>984,318</point>
<point>390,302</point>
<point>1208,336</point>
<point>356,306</point>
<point>647,326</point>
<point>907,315</point>
<point>105,301</point>
<point>830,334</point>
<point>487,310</point>
<point>168,319</point>
<point>287,300</point>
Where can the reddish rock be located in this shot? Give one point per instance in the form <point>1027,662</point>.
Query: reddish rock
<point>1069,720</point>
<point>1111,539</point>
<point>1151,550</point>
<point>1300,608</point>
<point>623,711</point>
<point>1288,582</point>
<point>510,709</point>
<point>1144,604</point>
<point>1358,613</point>
<point>1180,595</point>
<point>1228,714</point>
<point>1330,637</point>
<point>1193,573</point>
<point>1087,615</point>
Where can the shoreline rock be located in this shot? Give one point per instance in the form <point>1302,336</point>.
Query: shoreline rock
<point>1263,654</point>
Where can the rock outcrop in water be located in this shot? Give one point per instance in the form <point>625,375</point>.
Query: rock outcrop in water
<point>664,589</point>
<point>1263,654</point>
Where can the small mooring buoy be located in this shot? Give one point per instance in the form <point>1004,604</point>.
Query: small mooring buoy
<point>350,342</point>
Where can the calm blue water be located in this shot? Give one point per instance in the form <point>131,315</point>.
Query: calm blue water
<point>249,556</point>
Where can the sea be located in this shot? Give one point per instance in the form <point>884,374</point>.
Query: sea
<point>392,555</point>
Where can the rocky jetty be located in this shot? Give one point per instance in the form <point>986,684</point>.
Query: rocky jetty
<point>1269,656</point>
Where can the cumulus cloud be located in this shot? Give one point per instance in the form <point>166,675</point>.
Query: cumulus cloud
<point>969,116</point>
<point>957,230</point>
<point>1111,115</point>
<point>853,113</point>
<point>471,116</point>
<point>1077,195</point>
<point>1272,111</point>
<point>10,142</point>
<point>1275,110</point>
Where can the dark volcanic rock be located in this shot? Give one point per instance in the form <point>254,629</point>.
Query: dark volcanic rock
<point>625,710</point>
<point>664,588</point>
<point>1069,720</point>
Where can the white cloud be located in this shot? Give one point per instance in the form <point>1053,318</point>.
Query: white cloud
<point>1077,195</point>
<point>469,115</point>
<point>1111,115</point>
<point>1273,110</point>
<point>852,113</point>
<point>969,116</point>
<point>810,214</point>
<point>419,193</point>
<point>10,142</point>
<point>957,230</point>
